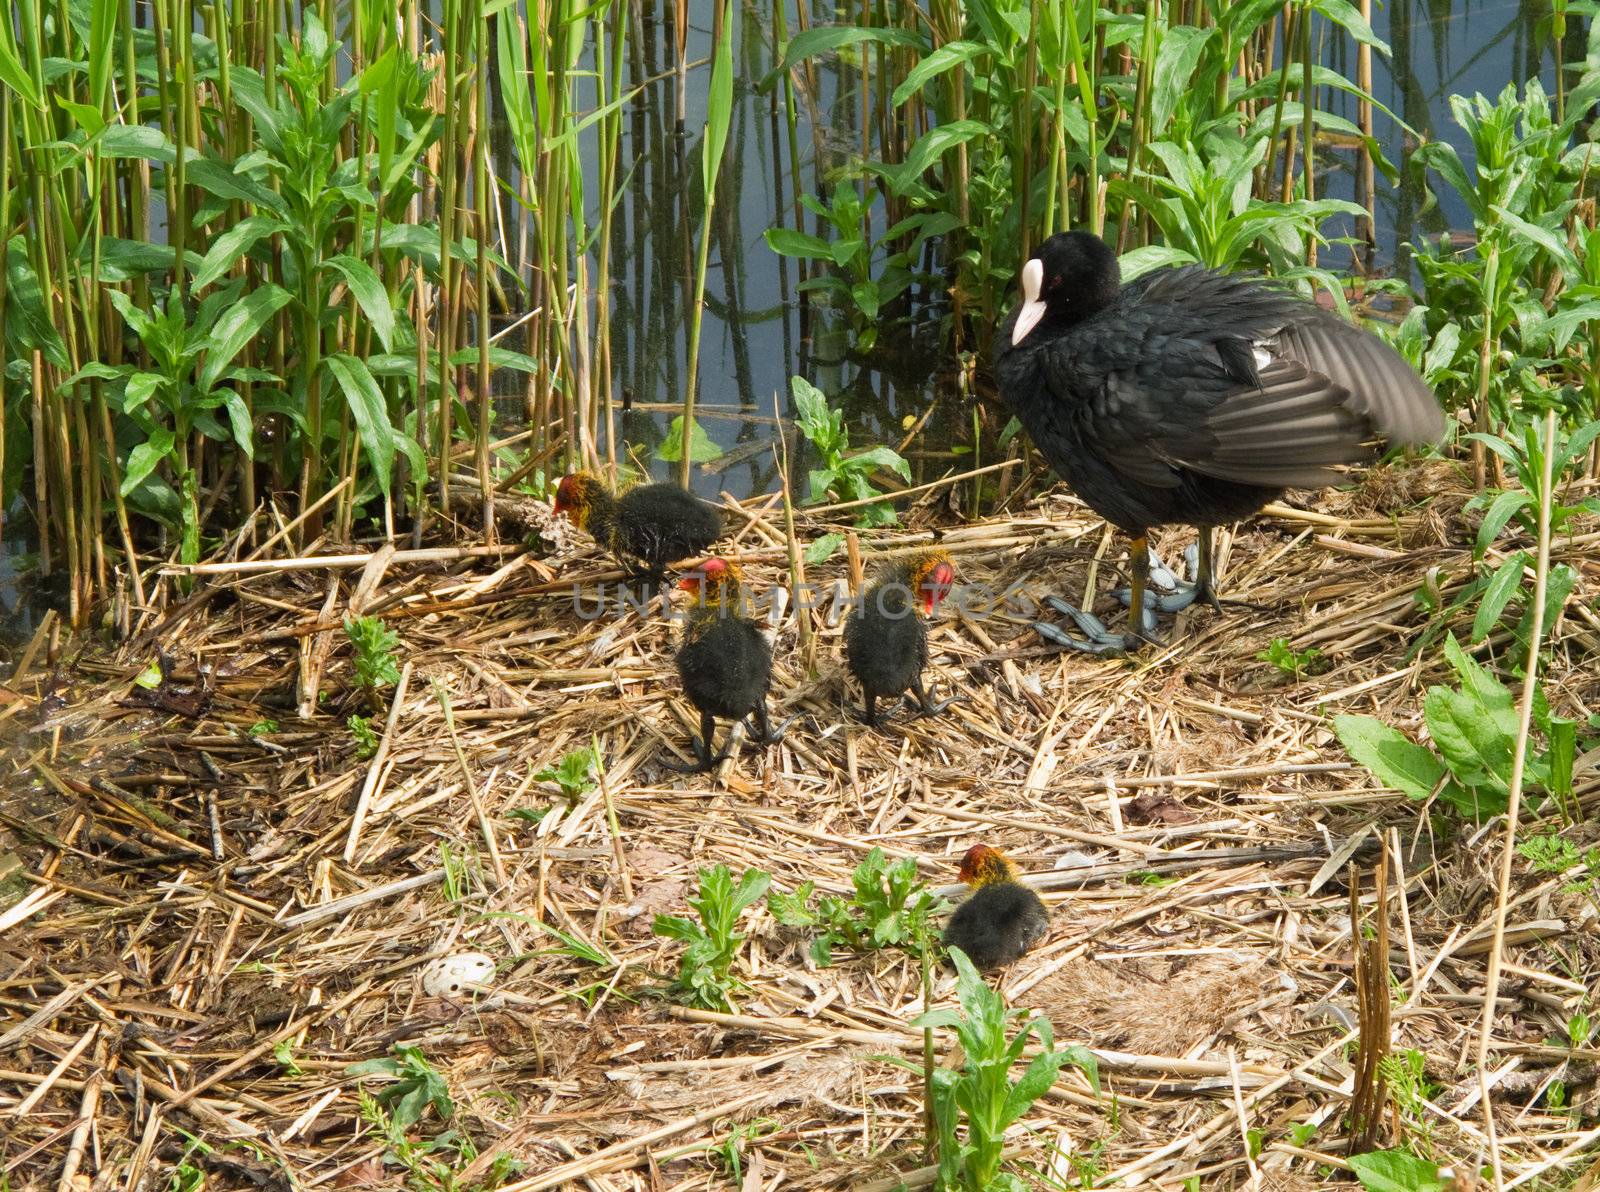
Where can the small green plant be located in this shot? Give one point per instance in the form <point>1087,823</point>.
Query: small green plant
<point>374,645</point>
<point>283,1053</point>
<point>1474,731</point>
<point>457,867</point>
<point>704,971</point>
<point>417,1086</point>
<point>982,1093</point>
<point>731,1152</point>
<point>187,1176</point>
<point>1301,1133</point>
<point>847,258</point>
<point>574,774</point>
<point>891,909</point>
<point>366,740</point>
<point>262,728</point>
<point>1405,1074</point>
<point>1580,1029</point>
<point>846,477</point>
<point>434,1165</point>
<point>1298,663</point>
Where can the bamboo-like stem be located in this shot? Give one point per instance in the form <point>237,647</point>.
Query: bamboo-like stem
<point>1519,761</point>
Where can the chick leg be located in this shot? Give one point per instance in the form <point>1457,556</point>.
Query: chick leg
<point>703,759</point>
<point>1099,639</point>
<point>765,735</point>
<point>926,705</point>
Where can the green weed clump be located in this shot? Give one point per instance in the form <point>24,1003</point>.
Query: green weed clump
<point>891,908</point>
<point>705,975</point>
<point>1474,731</point>
<point>975,1105</point>
<point>374,645</point>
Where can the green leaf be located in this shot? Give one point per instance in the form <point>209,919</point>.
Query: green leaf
<point>370,413</point>
<point>1393,759</point>
<point>150,677</point>
<point>1502,587</point>
<point>701,447</point>
<point>1478,755</point>
<point>790,243</point>
<point>369,294</point>
<point>880,457</point>
<point>823,548</point>
<point>145,458</point>
<point>719,105</point>
<point>237,327</point>
<point>931,146</point>
<point>827,38</point>
<point>1563,736</point>
<point>1396,1171</point>
<point>949,55</point>
<point>217,179</point>
<point>1503,509</point>
<point>233,244</point>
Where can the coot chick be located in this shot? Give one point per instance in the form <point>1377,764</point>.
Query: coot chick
<point>1002,918</point>
<point>1191,396</point>
<point>648,527</point>
<point>885,643</point>
<point>724,661</point>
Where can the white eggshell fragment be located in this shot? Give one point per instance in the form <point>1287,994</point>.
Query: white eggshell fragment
<point>452,976</point>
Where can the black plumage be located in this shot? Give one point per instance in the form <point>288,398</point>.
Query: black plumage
<point>648,526</point>
<point>724,661</point>
<point>1192,396</point>
<point>997,924</point>
<point>885,643</point>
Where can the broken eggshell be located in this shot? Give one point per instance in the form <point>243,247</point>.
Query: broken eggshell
<point>451,976</point>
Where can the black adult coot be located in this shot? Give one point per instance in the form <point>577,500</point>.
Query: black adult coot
<point>885,643</point>
<point>1002,918</point>
<point>1191,396</point>
<point>724,661</point>
<point>649,526</point>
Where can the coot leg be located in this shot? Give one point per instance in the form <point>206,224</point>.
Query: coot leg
<point>703,759</point>
<point>1097,638</point>
<point>765,735</point>
<point>926,705</point>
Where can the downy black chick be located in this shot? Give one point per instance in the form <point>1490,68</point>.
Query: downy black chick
<point>1001,919</point>
<point>724,661</point>
<point>885,643</point>
<point>647,527</point>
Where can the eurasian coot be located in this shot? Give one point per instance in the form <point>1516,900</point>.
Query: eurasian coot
<point>724,661</point>
<point>885,644</point>
<point>1191,396</point>
<point>1002,918</point>
<point>651,524</point>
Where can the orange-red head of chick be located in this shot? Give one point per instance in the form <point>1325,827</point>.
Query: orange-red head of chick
<point>713,581</point>
<point>577,495</point>
<point>984,866</point>
<point>931,575</point>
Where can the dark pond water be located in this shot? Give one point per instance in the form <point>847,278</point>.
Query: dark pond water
<point>756,334</point>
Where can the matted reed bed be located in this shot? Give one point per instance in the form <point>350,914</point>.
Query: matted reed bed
<point>206,926</point>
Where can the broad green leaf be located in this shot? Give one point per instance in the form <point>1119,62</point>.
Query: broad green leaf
<point>369,412</point>
<point>240,422</point>
<point>1478,754</point>
<point>880,457</point>
<point>823,548</point>
<point>150,677</point>
<point>145,458</point>
<point>215,178</point>
<point>1501,510</point>
<point>237,327</point>
<point>1393,759</point>
<point>952,53</point>
<point>790,243</point>
<point>828,38</point>
<point>233,244</point>
<point>930,147</point>
<point>1501,589</point>
<point>369,293</point>
<point>701,447</point>
<point>1396,1171</point>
